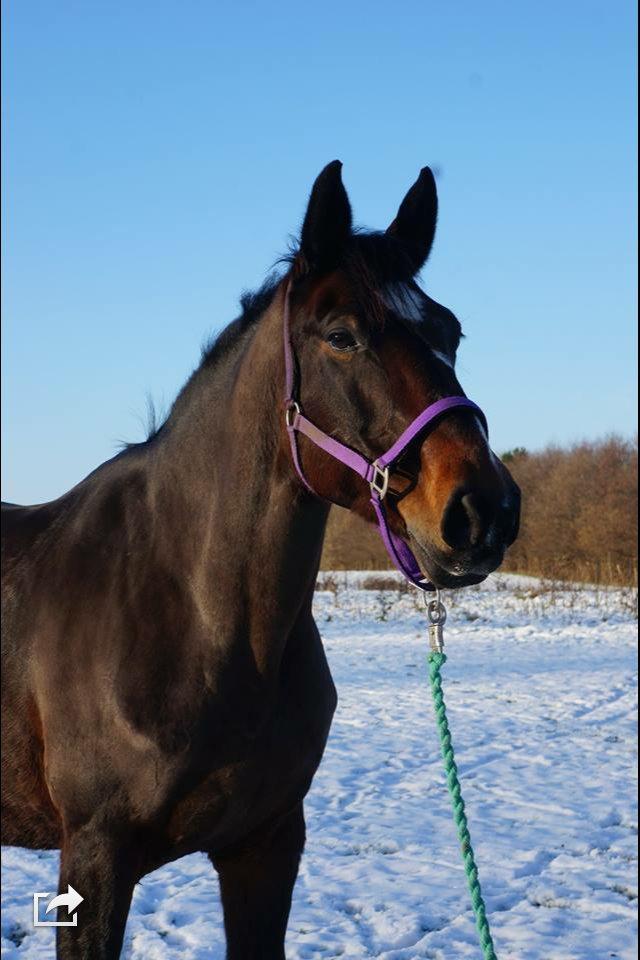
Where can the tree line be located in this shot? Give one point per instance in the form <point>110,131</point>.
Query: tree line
<point>579,516</point>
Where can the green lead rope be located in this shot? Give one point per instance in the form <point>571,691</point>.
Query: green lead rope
<point>436,660</point>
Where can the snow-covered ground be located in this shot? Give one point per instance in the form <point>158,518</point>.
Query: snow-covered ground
<point>541,694</point>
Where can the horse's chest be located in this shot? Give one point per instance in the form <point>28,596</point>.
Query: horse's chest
<point>268,775</point>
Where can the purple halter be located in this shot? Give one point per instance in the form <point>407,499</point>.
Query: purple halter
<point>376,473</point>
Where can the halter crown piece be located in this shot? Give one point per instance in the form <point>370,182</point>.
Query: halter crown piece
<point>374,472</point>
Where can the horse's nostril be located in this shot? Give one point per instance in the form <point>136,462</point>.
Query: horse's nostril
<point>466,520</point>
<point>479,521</point>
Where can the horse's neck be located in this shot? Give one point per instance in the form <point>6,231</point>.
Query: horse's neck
<point>248,534</point>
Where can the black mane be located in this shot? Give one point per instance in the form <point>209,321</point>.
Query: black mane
<point>253,304</point>
<point>371,259</point>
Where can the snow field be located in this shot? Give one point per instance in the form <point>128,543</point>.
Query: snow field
<point>541,691</point>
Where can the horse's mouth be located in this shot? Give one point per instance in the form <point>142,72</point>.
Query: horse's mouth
<point>448,574</point>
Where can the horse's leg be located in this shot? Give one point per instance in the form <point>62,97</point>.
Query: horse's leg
<point>256,884</point>
<point>101,866</point>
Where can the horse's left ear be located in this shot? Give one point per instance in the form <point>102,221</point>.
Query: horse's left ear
<point>415,224</point>
<point>327,222</point>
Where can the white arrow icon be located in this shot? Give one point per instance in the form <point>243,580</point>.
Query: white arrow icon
<point>71,900</point>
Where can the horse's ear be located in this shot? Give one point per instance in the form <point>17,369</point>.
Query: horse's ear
<point>327,222</point>
<point>415,224</point>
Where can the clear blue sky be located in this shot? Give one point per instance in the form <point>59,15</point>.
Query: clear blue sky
<point>158,154</point>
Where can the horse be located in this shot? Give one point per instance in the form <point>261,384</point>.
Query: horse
<point>165,688</point>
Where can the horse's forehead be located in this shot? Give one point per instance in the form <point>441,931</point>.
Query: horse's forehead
<point>328,293</point>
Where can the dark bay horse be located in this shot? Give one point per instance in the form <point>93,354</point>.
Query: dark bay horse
<point>164,685</point>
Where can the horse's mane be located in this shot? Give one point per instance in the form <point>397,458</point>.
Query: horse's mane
<point>370,259</point>
<point>253,305</point>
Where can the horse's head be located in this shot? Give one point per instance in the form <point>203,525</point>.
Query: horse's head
<point>373,350</point>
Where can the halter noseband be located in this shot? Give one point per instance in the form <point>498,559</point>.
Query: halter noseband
<point>376,472</point>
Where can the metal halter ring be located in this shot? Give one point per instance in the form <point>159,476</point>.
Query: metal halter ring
<point>291,412</point>
<point>379,481</point>
<point>436,610</point>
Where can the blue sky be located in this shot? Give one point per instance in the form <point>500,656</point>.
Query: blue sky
<point>157,155</point>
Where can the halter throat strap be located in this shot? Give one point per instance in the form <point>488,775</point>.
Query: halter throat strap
<point>374,472</point>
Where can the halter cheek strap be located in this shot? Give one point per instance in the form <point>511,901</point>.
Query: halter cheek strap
<point>374,472</point>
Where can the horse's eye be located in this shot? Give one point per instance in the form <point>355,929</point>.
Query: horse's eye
<point>342,340</point>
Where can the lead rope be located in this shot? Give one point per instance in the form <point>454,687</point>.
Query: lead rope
<point>437,614</point>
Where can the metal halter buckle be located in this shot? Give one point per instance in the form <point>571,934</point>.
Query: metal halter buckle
<point>379,481</point>
<point>291,412</point>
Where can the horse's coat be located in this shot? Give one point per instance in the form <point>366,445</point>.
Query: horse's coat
<point>165,689</point>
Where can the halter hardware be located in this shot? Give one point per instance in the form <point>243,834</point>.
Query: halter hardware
<point>292,410</point>
<point>379,482</point>
<point>437,617</point>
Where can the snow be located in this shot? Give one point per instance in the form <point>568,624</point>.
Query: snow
<point>540,685</point>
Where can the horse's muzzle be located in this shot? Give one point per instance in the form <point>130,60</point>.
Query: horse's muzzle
<point>475,531</point>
